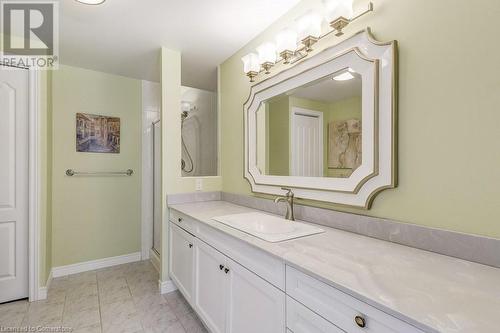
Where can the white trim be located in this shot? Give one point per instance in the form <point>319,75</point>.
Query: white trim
<point>95,264</point>
<point>155,259</point>
<point>34,187</point>
<point>296,111</point>
<point>43,291</point>
<point>166,286</point>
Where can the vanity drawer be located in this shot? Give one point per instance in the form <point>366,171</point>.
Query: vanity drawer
<point>183,221</point>
<point>341,309</point>
<point>300,319</point>
<point>259,262</point>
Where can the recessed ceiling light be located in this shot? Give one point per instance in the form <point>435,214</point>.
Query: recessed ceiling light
<point>91,2</point>
<point>343,77</point>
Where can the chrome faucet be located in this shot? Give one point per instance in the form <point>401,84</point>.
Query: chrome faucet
<point>288,198</point>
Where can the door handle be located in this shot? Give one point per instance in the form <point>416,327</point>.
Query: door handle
<point>221,267</point>
<point>226,270</point>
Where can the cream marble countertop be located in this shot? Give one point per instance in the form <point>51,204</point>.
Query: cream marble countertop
<point>443,293</point>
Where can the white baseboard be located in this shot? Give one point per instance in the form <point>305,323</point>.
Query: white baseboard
<point>42,291</point>
<point>166,286</point>
<point>155,260</point>
<point>95,264</point>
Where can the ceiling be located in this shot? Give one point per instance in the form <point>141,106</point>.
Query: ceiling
<point>329,91</point>
<point>124,36</point>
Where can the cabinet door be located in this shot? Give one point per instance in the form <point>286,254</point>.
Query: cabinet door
<point>254,305</point>
<point>182,260</point>
<point>210,286</point>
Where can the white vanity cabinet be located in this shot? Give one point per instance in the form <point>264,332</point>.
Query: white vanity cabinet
<point>210,286</point>
<point>300,319</point>
<point>346,312</point>
<point>228,297</point>
<point>254,305</point>
<point>182,260</point>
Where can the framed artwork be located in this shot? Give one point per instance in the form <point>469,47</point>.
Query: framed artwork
<point>97,134</point>
<point>344,144</point>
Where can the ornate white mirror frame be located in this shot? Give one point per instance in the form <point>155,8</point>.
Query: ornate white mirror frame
<point>377,64</point>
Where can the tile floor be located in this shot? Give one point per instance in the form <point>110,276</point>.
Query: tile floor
<point>118,299</point>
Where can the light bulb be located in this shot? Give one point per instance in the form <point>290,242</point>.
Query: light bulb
<point>251,63</point>
<point>309,25</point>
<point>267,53</point>
<point>286,40</point>
<point>338,8</point>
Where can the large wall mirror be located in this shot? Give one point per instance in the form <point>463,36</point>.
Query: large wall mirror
<point>326,126</point>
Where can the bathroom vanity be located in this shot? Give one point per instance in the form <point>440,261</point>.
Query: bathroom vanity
<point>333,281</point>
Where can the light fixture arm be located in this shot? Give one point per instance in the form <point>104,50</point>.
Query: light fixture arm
<point>370,9</point>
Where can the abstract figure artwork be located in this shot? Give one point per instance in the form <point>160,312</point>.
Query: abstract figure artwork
<point>344,144</point>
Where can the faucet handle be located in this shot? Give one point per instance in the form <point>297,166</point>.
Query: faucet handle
<point>289,192</point>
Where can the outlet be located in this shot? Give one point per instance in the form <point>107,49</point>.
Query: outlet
<point>199,184</point>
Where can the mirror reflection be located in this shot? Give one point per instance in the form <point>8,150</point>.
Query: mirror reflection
<point>198,132</point>
<point>313,130</point>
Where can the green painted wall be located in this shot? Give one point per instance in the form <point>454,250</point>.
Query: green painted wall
<point>448,111</point>
<point>94,217</point>
<point>278,114</point>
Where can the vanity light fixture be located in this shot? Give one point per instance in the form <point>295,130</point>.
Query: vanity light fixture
<point>267,56</point>
<point>286,44</point>
<point>339,14</point>
<point>91,2</point>
<point>251,65</point>
<point>309,29</point>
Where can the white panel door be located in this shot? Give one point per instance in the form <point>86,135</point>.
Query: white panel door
<point>307,143</point>
<point>13,184</point>
<point>254,305</point>
<point>210,286</point>
<point>182,260</point>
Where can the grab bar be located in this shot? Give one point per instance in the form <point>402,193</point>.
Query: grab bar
<point>71,173</point>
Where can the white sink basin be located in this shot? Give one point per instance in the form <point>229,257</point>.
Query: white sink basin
<point>268,227</point>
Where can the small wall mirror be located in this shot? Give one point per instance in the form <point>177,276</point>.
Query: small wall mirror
<point>326,126</point>
<point>314,130</point>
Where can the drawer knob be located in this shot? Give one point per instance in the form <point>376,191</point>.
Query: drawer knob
<point>226,270</point>
<point>221,267</point>
<point>360,321</point>
<point>179,219</point>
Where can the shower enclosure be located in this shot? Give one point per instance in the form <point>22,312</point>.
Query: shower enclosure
<point>151,170</point>
<point>199,132</point>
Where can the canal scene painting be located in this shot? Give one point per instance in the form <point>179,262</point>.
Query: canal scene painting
<point>97,134</point>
